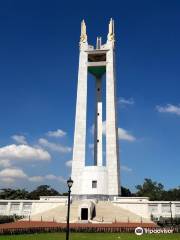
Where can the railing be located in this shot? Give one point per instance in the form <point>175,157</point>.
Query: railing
<point>39,227</point>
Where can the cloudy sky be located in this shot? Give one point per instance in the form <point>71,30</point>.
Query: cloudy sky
<point>39,47</point>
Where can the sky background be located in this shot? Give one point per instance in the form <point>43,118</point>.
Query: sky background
<point>39,51</point>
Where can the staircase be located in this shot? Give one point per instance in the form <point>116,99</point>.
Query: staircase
<point>108,212</point>
<point>58,214</point>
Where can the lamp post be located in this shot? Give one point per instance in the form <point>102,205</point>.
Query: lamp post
<point>170,203</point>
<point>69,183</point>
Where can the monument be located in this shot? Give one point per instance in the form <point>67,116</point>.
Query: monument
<point>96,189</point>
<point>102,180</point>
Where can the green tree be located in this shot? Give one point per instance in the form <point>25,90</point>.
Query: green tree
<point>150,189</point>
<point>171,195</point>
<point>125,192</point>
<point>8,193</point>
<point>43,190</point>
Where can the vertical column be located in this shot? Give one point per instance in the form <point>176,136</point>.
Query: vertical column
<point>173,207</point>
<point>78,161</point>
<point>98,160</point>
<point>21,208</point>
<point>112,143</point>
<point>159,209</point>
<point>8,208</point>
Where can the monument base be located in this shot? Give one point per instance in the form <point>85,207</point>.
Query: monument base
<point>99,197</point>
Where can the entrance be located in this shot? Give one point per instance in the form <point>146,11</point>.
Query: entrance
<point>84,213</point>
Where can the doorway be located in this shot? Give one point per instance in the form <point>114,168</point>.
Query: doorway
<point>84,213</point>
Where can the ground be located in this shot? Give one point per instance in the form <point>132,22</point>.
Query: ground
<point>89,236</point>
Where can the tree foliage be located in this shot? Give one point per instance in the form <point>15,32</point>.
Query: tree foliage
<point>10,194</point>
<point>125,192</point>
<point>43,190</point>
<point>156,191</point>
<point>171,195</point>
<point>149,188</point>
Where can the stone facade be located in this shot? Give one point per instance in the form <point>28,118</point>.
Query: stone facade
<point>131,209</point>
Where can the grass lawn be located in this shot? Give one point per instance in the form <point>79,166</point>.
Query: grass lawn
<point>91,236</point>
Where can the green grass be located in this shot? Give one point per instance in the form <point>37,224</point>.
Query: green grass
<point>91,236</point>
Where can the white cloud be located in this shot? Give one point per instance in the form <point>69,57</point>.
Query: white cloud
<point>19,139</point>
<point>54,146</point>
<point>5,163</point>
<point>125,135</point>
<point>12,173</point>
<point>50,177</point>
<point>54,177</point>
<point>69,163</point>
<point>124,102</point>
<point>126,168</point>
<point>36,179</point>
<point>122,134</point>
<point>57,134</point>
<point>169,108</point>
<point>7,180</point>
<point>11,153</point>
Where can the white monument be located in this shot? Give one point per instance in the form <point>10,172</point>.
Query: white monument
<point>100,181</point>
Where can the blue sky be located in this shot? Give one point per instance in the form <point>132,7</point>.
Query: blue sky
<point>38,79</point>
